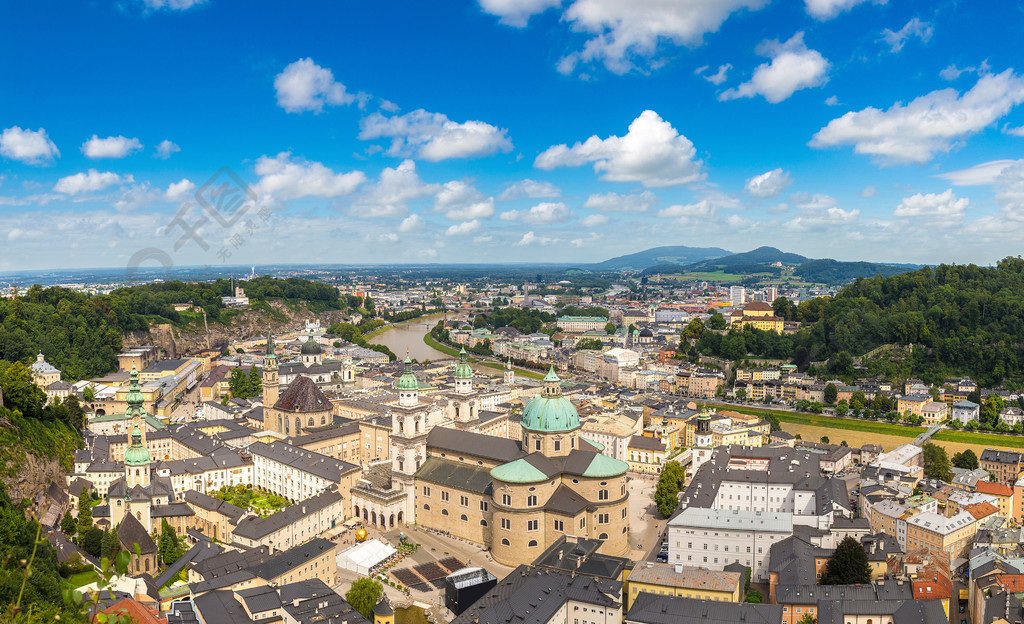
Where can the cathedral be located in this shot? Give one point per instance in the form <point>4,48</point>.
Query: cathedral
<point>302,407</point>
<point>332,375</point>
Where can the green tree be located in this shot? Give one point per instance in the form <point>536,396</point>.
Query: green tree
<point>84,511</point>
<point>965,459</point>
<point>238,383</point>
<point>824,439</point>
<point>76,415</point>
<point>848,565</point>
<point>741,394</point>
<point>609,328</point>
<point>831,392</point>
<point>753,597</point>
<point>669,483</point>
<point>807,619</point>
<point>842,408</point>
<point>592,344</point>
<point>110,545</point>
<point>89,394</point>
<point>364,595</point>
<point>255,382</point>
<point>717,321</point>
<point>746,583</point>
<point>68,524</point>
<point>92,541</point>
<point>169,547</point>
<point>693,330</point>
<point>19,392</point>
<point>936,462</point>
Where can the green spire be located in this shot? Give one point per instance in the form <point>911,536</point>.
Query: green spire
<point>552,376</point>
<point>463,370</point>
<point>136,455</point>
<point>134,397</point>
<point>408,381</point>
<point>270,343</point>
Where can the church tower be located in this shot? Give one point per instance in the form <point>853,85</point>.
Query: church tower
<point>270,383</point>
<point>408,387</point>
<point>510,375</point>
<point>463,374</point>
<point>551,424</point>
<point>703,438</point>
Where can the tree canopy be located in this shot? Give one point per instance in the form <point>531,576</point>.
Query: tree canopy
<point>936,462</point>
<point>364,595</point>
<point>848,565</point>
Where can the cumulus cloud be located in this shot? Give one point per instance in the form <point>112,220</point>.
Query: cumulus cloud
<point>982,174</point>
<point>541,214</point>
<point>391,194</point>
<point>817,201</point>
<point>869,191</point>
<point>952,72</point>
<point>28,146</point>
<point>792,67</point>
<point>434,137</point>
<point>623,32</point>
<point>613,202</point>
<point>914,28</point>
<point>531,189</point>
<point>703,209</point>
<point>769,184</point>
<point>517,12</point>
<point>89,181</point>
<point>410,223</point>
<point>931,123</point>
<point>652,153</point>
<point>944,206</point>
<point>459,201</point>
<point>110,147</point>
<point>594,220</point>
<point>819,211</point>
<point>716,78</point>
<point>1017,132</point>
<point>284,177</point>
<point>165,148</point>
<point>827,9</point>
<point>532,239</point>
<point>177,191</point>
<point>306,86</point>
<point>461,229</point>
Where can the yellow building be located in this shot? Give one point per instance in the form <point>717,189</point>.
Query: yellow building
<point>758,315</point>
<point>912,404</point>
<point>934,412</point>
<point>645,455</point>
<point>952,535</point>
<point>683,582</point>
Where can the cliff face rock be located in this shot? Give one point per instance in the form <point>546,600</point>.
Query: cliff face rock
<point>177,341</point>
<point>34,476</point>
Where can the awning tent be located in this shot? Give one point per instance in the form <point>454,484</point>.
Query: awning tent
<point>361,557</point>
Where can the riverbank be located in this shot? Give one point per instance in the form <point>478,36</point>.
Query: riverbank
<point>434,344</point>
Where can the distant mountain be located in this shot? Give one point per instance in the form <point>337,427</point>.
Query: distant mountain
<point>834,271</point>
<point>676,254</point>
<point>761,255</point>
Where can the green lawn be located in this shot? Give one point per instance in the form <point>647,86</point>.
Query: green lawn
<point>83,578</point>
<point>884,428</point>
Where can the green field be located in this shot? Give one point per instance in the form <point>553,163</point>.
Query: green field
<point>83,578</point>
<point>883,428</point>
<point>262,503</point>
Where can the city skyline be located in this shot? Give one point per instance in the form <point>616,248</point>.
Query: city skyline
<point>508,131</point>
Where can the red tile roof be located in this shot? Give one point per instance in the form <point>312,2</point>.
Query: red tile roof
<point>995,489</point>
<point>139,613</point>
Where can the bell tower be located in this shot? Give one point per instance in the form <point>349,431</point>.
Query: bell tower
<point>270,382</point>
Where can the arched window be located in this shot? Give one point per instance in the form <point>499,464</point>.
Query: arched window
<point>532,544</point>
<point>444,512</point>
<point>310,422</point>
<point>323,420</point>
<point>464,518</point>
<point>505,542</point>
<point>298,425</point>
<point>483,523</point>
<point>426,507</point>
<point>138,515</point>
<point>602,536</point>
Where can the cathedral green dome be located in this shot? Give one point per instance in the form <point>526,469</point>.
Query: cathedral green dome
<point>407,381</point>
<point>136,454</point>
<point>551,412</point>
<point>311,347</point>
<point>463,370</point>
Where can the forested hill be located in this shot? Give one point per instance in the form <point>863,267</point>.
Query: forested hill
<point>81,334</point>
<point>960,319</point>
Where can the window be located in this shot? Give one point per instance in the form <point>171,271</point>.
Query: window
<point>464,518</point>
<point>602,495</point>
<point>444,496</point>
<point>483,523</point>
<point>483,505</point>
<point>558,445</point>
<point>506,499</point>
<point>559,525</point>
<point>602,518</point>
<point>536,444</point>
<point>426,490</point>
<point>506,524</point>
<point>444,512</point>
<point>583,522</point>
<point>464,501</point>
<point>505,542</point>
<point>531,501</point>
<point>603,536</point>
<point>531,525</point>
<point>532,544</point>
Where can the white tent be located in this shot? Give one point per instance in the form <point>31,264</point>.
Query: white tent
<point>361,557</point>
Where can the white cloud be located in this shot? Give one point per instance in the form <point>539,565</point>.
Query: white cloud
<point>529,188</point>
<point>284,177</point>
<point>982,174</point>
<point>388,237</point>
<point>1017,132</point>
<point>914,28</point>
<point>517,12</point>
<point>869,191</point>
<point>434,137</point>
<point>943,205</point>
<point>532,239</point>
<point>769,184</point>
<point>461,229</point>
<point>827,9</point>
<point>27,146</point>
<point>89,181</point>
<point>391,195</point>
<point>459,201</point>
<point>541,214</point>
<point>952,72</point>
<point>410,223</point>
<point>716,78</point>
<point>173,5</point>
<point>817,201</point>
<point>306,86</point>
<point>623,31</point>
<point>652,153</point>
<point>832,101</point>
<point>792,67</point>
<point>110,147</point>
<point>177,191</point>
<point>936,122</point>
<point>594,220</point>
<point>165,148</point>
<point>815,218</point>
<point>613,202</point>
<point>703,209</point>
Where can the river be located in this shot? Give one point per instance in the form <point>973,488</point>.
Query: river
<point>409,335</point>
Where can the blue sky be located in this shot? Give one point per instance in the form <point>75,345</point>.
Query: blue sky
<point>507,130</point>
